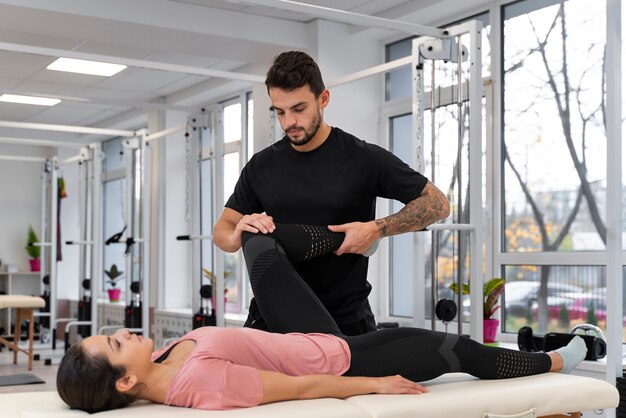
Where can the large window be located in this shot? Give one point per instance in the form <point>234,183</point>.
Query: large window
<point>553,163</point>
<point>554,147</point>
<point>236,130</point>
<point>400,301</point>
<point>446,164</point>
<point>549,165</point>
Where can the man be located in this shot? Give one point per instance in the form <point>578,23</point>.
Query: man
<point>321,175</point>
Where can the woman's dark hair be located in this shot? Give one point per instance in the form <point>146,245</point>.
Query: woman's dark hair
<point>87,382</point>
<point>295,69</point>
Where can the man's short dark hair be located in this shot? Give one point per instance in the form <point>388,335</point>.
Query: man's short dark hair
<point>295,69</point>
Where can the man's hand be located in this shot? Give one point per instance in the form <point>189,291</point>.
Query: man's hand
<point>360,236</point>
<point>256,222</point>
<point>229,227</point>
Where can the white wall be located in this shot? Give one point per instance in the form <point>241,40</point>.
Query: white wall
<point>20,202</point>
<point>354,107</point>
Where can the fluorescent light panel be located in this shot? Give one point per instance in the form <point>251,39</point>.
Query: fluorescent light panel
<point>72,65</point>
<point>32,100</point>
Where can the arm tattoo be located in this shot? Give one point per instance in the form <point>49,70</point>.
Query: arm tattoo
<point>429,207</point>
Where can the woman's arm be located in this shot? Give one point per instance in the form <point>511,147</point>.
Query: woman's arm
<point>280,387</point>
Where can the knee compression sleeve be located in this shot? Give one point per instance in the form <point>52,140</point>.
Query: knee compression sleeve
<point>303,242</point>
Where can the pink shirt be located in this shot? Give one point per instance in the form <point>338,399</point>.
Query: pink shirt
<point>221,372</point>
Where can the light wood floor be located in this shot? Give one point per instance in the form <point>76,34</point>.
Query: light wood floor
<point>46,373</point>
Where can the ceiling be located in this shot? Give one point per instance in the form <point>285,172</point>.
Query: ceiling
<point>183,53</point>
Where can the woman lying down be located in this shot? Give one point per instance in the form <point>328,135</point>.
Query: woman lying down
<point>305,357</point>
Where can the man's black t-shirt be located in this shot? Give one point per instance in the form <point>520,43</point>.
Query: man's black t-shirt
<point>336,183</point>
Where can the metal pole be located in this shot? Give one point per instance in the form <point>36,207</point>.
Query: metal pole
<point>130,147</point>
<point>434,240</point>
<point>219,203</point>
<point>22,159</point>
<point>475,185</point>
<point>166,132</point>
<point>54,193</point>
<point>459,177</point>
<point>419,261</point>
<point>614,191</point>
<point>185,69</point>
<point>83,196</point>
<point>66,128</point>
<point>146,185</point>
<point>45,188</point>
<point>97,259</point>
<point>195,138</point>
<point>378,69</point>
<point>39,142</point>
<point>344,16</point>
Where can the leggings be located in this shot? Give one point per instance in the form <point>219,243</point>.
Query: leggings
<point>288,304</point>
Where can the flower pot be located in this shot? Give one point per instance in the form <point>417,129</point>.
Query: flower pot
<point>490,329</point>
<point>35,264</point>
<point>114,294</point>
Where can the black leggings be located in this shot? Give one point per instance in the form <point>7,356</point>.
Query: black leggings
<point>288,304</point>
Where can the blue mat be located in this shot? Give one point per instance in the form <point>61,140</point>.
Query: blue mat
<point>19,379</point>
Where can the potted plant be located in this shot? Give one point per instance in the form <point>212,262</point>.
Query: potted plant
<point>33,251</point>
<point>114,276</point>
<point>492,289</point>
<point>212,278</point>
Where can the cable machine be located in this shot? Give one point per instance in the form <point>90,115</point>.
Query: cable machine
<point>136,233</point>
<point>45,183</point>
<point>50,233</point>
<point>207,307</point>
<point>451,49</point>
<point>89,242</point>
<point>438,45</point>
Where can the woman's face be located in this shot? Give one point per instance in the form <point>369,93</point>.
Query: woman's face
<point>131,351</point>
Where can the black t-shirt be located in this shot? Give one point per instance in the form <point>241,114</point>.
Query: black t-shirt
<point>336,183</point>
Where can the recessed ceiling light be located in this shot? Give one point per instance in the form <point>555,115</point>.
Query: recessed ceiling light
<point>40,101</point>
<point>72,65</point>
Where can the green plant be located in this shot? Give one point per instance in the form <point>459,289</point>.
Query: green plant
<point>592,318</point>
<point>114,275</point>
<point>33,250</point>
<point>209,275</point>
<point>492,289</point>
<point>563,316</point>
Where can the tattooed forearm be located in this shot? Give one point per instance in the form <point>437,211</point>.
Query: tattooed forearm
<point>431,206</point>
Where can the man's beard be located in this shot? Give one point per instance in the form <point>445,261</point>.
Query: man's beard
<point>308,133</point>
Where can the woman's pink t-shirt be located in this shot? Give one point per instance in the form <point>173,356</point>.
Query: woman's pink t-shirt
<point>221,372</point>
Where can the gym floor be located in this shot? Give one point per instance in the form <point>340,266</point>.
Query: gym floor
<point>46,373</point>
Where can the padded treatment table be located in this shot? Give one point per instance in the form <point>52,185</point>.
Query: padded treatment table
<point>24,306</point>
<point>453,395</point>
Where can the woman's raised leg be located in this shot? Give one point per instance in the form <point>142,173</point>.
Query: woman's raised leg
<point>286,302</point>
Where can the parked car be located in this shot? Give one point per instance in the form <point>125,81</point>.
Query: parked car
<point>557,303</point>
<point>520,296</point>
<point>578,306</point>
